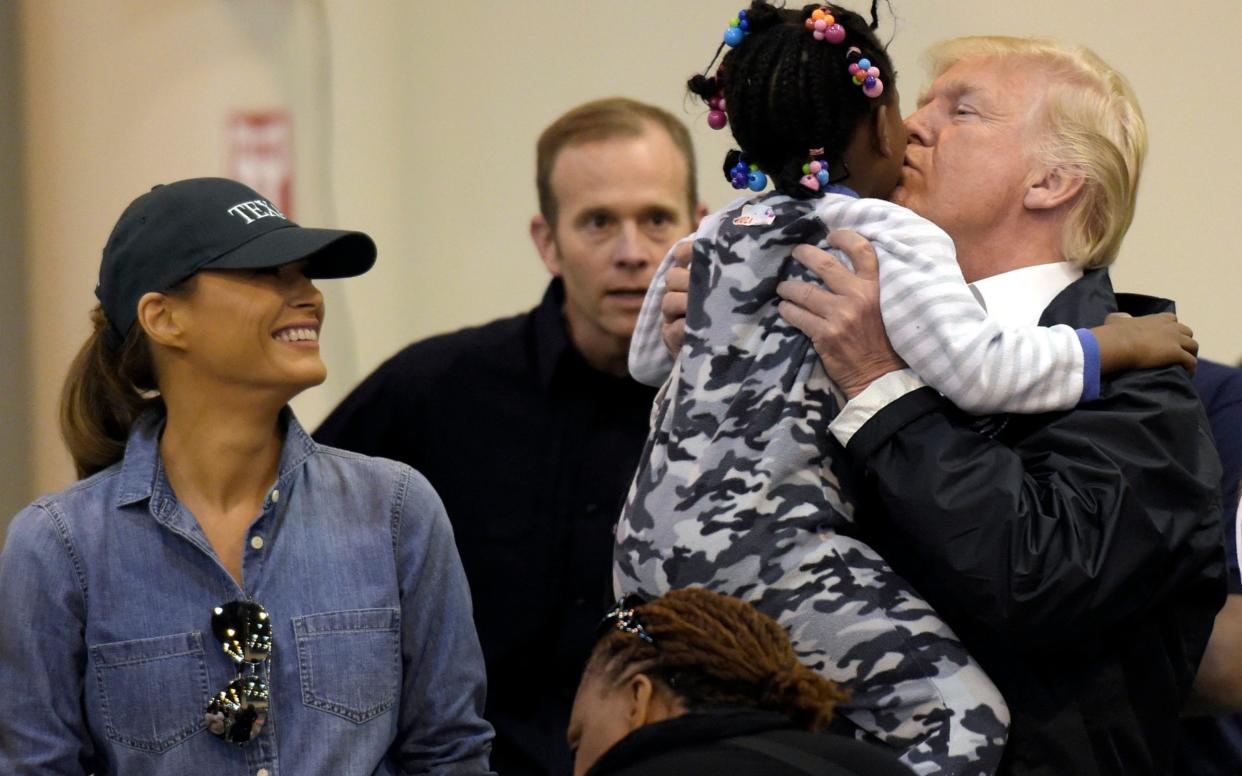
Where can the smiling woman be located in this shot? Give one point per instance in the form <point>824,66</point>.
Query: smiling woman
<point>217,568</point>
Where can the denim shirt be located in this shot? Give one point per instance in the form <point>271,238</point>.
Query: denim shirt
<point>107,658</point>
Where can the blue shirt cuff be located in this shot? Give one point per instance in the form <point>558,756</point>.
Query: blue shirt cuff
<point>1090,365</point>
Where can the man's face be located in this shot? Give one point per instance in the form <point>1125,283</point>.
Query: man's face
<point>968,162</point>
<point>621,204</point>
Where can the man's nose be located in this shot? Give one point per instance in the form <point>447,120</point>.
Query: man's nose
<point>630,249</point>
<point>918,127</point>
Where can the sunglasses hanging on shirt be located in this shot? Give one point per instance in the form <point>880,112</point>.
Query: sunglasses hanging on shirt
<point>244,630</point>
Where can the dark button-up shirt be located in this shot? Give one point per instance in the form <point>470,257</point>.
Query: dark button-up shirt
<point>532,451</point>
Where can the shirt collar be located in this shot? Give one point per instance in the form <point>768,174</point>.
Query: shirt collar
<point>551,336</point>
<point>1018,297</point>
<point>142,470</point>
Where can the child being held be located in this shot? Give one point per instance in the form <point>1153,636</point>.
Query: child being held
<point>736,489</point>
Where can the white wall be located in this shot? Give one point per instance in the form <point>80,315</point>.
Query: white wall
<point>416,122</point>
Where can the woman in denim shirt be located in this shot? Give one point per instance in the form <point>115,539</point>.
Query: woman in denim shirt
<point>220,594</point>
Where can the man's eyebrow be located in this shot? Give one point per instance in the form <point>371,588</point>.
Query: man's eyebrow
<point>952,91</point>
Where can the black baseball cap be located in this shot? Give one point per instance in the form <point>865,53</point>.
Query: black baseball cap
<point>177,229</point>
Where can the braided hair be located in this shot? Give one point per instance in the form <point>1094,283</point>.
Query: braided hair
<point>786,92</point>
<point>713,651</point>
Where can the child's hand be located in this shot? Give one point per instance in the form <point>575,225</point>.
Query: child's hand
<point>1145,342</point>
<point>673,308</point>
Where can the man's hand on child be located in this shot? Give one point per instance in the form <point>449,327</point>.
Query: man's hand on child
<point>842,320</point>
<point>1145,342</point>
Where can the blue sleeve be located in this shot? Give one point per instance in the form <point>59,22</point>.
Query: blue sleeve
<point>441,726</point>
<point>1220,389</point>
<point>1090,365</point>
<point>42,650</point>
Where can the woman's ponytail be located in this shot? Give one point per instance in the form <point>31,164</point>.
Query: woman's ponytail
<point>104,393</point>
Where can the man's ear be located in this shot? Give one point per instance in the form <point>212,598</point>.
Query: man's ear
<point>544,238</point>
<point>160,321</point>
<point>700,212</point>
<point>639,693</point>
<point>1052,188</point>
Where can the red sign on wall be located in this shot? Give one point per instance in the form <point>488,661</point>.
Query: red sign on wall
<point>261,154</point>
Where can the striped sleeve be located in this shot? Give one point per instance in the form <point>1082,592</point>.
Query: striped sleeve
<point>938,327</point>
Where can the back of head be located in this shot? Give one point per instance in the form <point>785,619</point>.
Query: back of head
<point>787,91</point>
<point>1092,125</point>
<point>713,651</point>
<point>612,117</point>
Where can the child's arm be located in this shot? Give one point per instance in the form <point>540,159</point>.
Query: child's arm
<point>938,327</point>
<point>650,362</point>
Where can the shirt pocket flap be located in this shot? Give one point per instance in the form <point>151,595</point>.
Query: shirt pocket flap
<point>152,691</point>
<point>349,662</point>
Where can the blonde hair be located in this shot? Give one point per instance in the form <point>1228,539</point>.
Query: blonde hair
<point>1092,124</point>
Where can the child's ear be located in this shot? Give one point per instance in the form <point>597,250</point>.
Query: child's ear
<point>883,127</point>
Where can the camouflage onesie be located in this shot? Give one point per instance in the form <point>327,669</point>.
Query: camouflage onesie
<point>736,489</point>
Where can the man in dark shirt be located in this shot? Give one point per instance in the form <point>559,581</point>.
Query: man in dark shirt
<point>530,427</point>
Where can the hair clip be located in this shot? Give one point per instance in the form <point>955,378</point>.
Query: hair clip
<point>623,618</point>
<point>823,25</point>
<point>738,29</point>
<point>815,172</point>
<point>747,176</point>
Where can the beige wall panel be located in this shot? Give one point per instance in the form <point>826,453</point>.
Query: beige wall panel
<point>416,122</point>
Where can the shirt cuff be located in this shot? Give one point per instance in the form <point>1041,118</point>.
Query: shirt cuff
<point>1090,365</point>
<point>882,392</point>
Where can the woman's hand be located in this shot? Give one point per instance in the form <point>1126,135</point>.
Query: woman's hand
<point>1145,342</point>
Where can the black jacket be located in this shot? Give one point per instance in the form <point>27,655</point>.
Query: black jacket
<point>1077,554</point>
<point>532,451</point>
<point>741,742</point>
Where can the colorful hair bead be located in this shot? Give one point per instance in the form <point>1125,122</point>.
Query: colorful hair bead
<point>815,172</point>
<point>739,28</point>
<point>823,26</point>
<point>716,116</point>
<point>744,175</point>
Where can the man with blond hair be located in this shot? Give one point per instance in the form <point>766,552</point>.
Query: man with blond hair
<point>530,427</point>
<point>1078,554</point>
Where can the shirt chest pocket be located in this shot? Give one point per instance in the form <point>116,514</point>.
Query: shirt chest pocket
<point>349,663</point>
<point>152,692</point>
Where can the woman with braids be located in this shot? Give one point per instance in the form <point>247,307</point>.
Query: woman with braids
<point>738,488</point>
<point>697,682</point>
<point>220,594</point>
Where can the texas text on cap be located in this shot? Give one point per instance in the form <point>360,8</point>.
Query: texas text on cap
<point>175,230</point>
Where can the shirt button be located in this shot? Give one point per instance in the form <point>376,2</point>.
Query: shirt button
<point>275,495</point>
<point>261,772</point>
<point>256,542</point>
